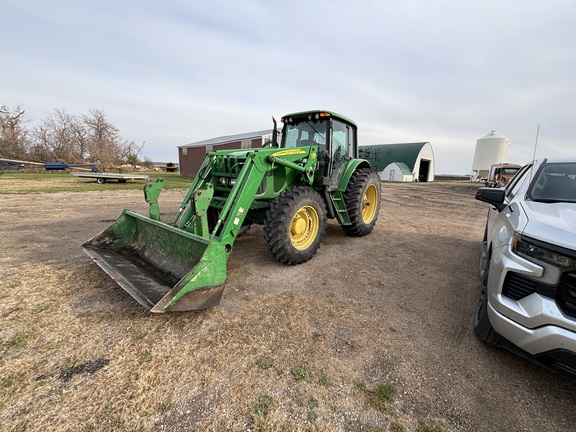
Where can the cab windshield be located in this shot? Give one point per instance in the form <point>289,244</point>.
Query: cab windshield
<point>554,182</point>
<point>305,133</point>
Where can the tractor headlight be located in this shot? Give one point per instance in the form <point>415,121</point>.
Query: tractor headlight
<point>524,247</point>
<point>221,181</point>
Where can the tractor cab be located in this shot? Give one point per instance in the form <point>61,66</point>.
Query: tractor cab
<point>333,134</point>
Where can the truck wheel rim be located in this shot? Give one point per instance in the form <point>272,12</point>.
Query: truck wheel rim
<point>369,204</point>
<point>304,227</point>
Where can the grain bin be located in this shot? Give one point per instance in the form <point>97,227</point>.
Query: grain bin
<point>490,149</point>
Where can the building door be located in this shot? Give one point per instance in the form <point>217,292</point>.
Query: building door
<point>424,170</point>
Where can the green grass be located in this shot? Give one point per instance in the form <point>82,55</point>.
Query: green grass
<point>24,182</point>
<point>303,372</point>
<point>424,427</point>
<point>262,407</point>
<point>267,363</point>
<point>397,427</point>
<point>312,414</point>
<point>145,358</point>
<point>379,397</point>
<point>17,341</point>
<point>324,380</point>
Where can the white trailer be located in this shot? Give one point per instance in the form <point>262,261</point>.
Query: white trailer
<point>102,177</point>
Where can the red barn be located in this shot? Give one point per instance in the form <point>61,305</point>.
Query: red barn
<point>192,155</point>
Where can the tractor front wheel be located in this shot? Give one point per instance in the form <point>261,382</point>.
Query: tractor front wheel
<point>362,198</point>
<point>295,225</point>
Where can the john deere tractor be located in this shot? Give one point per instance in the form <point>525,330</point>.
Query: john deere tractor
<point>291,186</point>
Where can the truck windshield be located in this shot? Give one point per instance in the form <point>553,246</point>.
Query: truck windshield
<point>305,133</point>
<point>509,171</point>
<point>554,182</point>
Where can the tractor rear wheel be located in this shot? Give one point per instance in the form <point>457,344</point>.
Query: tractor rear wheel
<point>362,198</point>
<point>295,225</point>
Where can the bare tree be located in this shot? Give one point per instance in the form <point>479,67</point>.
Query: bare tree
<point>103,142</point>
<point>64,137</point>
<point>130,152</point>
<point>57,137</point>
<point>13,134</point>
<point>81,139</point>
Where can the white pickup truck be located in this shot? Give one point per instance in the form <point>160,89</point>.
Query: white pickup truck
<point>527,293</point>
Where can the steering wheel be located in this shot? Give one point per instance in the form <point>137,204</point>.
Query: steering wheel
<point>338,153</point>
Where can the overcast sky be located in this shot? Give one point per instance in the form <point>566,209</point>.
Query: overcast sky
<point>172,72</point>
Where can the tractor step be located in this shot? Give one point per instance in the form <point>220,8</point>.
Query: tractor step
<point>341,212</point>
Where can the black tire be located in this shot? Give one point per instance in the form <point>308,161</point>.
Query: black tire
<point>362,198</point>
<point>295,225</point>
<point>100,180</point>
<point>481,323</point>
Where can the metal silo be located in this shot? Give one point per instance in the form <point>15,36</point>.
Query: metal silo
<point>490,149</point>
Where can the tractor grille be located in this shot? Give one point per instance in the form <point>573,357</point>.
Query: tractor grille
<point>517,287</point>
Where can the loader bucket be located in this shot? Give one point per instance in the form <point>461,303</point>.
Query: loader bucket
<point>163,267</point>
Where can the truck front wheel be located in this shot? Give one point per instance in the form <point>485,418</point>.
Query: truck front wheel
<point>362,198</point>
<point>481,323</point>
<point>295,225</point>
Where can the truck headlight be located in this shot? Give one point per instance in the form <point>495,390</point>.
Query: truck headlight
<point>524,247</point>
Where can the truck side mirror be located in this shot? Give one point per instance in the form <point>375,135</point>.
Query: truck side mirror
<point>492,196</point>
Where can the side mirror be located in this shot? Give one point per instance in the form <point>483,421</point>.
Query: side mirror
<point>494,196</point>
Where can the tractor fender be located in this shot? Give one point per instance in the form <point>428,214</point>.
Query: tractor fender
<point>353,165</point>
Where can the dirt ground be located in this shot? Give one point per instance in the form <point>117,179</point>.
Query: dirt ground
<point>290,348</point>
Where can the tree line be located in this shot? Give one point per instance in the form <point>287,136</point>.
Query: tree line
<point>65,138</point>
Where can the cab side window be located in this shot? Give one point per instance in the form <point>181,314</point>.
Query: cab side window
<point>342,141</point>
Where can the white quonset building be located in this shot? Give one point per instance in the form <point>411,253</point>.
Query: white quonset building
<point>490,149</point>
<point>405,162</point>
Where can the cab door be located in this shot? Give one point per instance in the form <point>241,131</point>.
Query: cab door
<point>342,150</point>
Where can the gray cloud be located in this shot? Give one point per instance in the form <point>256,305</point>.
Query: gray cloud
<point>174,72</point>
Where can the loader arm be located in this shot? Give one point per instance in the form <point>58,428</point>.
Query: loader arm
<point>222,168</point>
<point>182,265</point>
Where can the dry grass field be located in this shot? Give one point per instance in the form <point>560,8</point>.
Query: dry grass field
<point>373,334</point>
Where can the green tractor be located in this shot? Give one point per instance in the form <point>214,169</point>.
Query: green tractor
<point>291,187</point>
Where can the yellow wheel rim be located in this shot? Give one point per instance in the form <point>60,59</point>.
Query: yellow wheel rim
<point>370,204</point>
<point>304,228</point>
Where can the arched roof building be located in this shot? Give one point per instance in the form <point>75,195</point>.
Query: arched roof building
<point>401,162</point>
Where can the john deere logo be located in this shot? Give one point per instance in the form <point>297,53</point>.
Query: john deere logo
<point>295,151</point>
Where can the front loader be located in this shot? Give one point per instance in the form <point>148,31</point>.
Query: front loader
<point>291,187</point>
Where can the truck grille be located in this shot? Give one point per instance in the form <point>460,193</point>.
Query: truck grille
<point>516,287</point>
<point>566,297</point>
